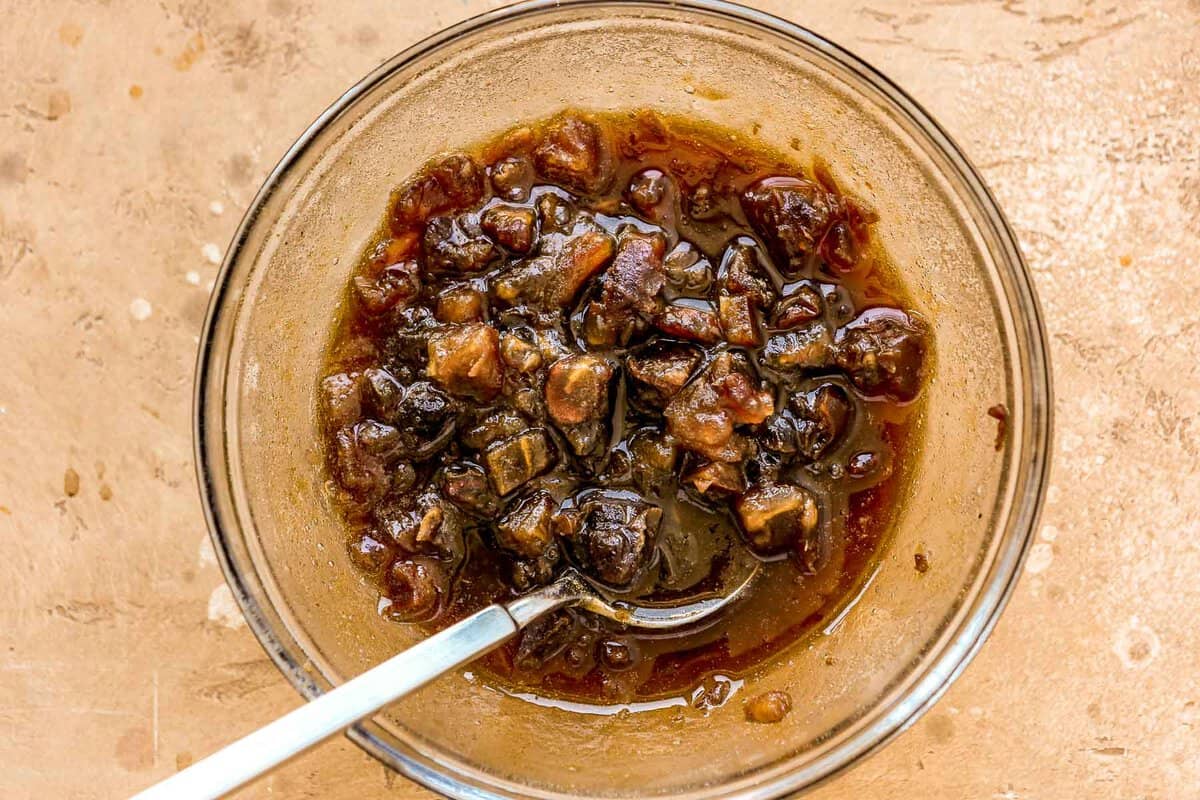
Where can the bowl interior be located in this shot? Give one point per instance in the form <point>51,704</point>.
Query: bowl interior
<point>869,671</point>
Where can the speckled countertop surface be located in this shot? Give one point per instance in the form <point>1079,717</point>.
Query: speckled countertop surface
<point>132,137</point>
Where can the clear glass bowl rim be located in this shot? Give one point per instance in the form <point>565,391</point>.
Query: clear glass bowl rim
<point>938,673</point>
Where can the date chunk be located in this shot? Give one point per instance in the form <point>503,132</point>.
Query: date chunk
<point>415,587</point>
<point>461,305</point>
<point>577,389</point>
<point>663,370</point>
<point>739,320</point>
<point>768,707</point>
<point>687,322</point>
<point>883,351</point>
<point>430,526</point>
<point>777,518</point>
<point>454,182</point>
<point>792,215</point>
<point>702,416</point>
<point>629,289</point>
<point>526,530</point>
<point>821,418</point>
<point>517,460</point>
<point>467,487</point>
<point>636,276</point>
<point>450,246</point>
<point>545,638</point>
<point>809,347</point>
<point>511,227</point>
<point>742,276</point>
<point>397,284</point>
<point>341,399</point>
<point>618,537</point>
<point>553,281</point>
<point>465,361</point>
<point>573,154</point>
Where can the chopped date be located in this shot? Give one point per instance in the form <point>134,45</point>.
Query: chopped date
<point>341,399</point>
<point>577,389</point>
<point>718,479</point>
<point>686,269</point>
<point>652,452</point>
<point>623,345</point>
<point>555,213</point>
<point>804,305</point>
<point>466,485</point>
<point>792,215</point>
<point>573,153</point>
<point>702,416</point>
<point>883,352</point>
<point>546,637</point>
<point>494,427</point>
<point>512,178</point>
<point>359,471</point>
<point>415,587</point>
<point>776,518</point>
<point>519,354</point>
<point>647,191</point>
<point>526,573</point>
<point>515,461</point>
<point>384,393</point>
<point>450,247</point>
<point>462,305</point>
<point>806,348</point>
<point>664,369</point>
<point>840,247</point>
<point>821,417</point>
<point>425,413</point>
<point>636,276</point>
<point>691,323</point>
<point>455,181</point>
<point>739,320</point>
<point>370,553</point>
<point>554,281</point>
<point>430,526</point>
<point>743,276</point>
<point>396,284</point>
<point>465,361</point>
<point>617,538</point>
<point>526,529</point>
<point>512,228</point>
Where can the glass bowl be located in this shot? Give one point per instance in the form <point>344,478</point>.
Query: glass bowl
<point>972,506</point>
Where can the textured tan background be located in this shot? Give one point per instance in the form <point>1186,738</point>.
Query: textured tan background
<point>132,137</point>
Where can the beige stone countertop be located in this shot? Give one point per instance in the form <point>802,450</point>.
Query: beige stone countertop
<point>132,138</point>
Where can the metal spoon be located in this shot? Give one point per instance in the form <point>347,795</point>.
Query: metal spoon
<point>293,733</point>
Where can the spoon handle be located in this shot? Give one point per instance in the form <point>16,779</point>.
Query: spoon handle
<point>336,710</point>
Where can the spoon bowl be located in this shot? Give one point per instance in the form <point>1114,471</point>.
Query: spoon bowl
<point>572,589</point>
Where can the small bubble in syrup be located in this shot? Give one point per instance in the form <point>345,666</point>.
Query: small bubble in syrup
<point>211,253</point>
<point>192,277</point>
<point>216,208</point>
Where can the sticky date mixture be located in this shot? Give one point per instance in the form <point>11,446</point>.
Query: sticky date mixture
<point>631,345</point>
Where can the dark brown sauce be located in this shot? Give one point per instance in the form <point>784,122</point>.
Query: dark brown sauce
<point>857,482</point>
